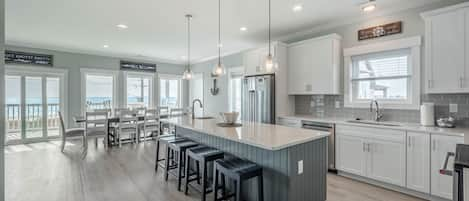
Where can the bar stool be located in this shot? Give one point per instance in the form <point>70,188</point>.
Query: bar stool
<point>163,140</point>
<point>202,155</point>
<point>238,170</point>
<point>179,147</point>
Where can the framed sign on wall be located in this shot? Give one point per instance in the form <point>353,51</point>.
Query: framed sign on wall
<point>14,57</point>
<point>137,66</point>
<point>380,31</point>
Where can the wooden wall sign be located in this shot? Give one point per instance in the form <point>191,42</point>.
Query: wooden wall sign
<point>380,31</point>
<point>135,66</point>
<point>13,57</point>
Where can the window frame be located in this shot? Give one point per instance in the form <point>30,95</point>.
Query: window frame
<point>180,88</point>
<point>99,72</point>
<point>151,94</point>
<point>413,86</point>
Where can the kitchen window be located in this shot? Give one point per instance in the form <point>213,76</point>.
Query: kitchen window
<point>235,88</point>
<point>99,89</point>
<point>389,74</point>
<point>139,88</point>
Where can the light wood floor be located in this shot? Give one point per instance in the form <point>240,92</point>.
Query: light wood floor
<point>40,172</point>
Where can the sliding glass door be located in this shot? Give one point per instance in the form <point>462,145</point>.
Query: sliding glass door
<point>33,101</point>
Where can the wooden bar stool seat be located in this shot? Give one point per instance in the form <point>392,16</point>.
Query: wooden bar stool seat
<point>178,146</point>
<point>163,140</point>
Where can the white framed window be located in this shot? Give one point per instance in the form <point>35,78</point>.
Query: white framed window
<point>235,80</point>
<point>388,72</point>
<point>138,89</point>
<point>99,89</point>
<point>170,89</point>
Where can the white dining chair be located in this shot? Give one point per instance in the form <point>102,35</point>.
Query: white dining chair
<point>151,123</point>
<point>96,126</point>
<point>71,133</point>
<point>127,126</point>
<point>163,110</point>
<point>108,111</point>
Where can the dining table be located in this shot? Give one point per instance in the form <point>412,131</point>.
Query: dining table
<point>79,119</point>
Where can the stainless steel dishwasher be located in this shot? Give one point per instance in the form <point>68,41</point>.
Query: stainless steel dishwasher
<point>321,126</point>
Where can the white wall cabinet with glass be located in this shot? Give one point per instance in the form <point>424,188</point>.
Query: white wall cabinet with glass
<point>314,66</point>
<point>447,49</point>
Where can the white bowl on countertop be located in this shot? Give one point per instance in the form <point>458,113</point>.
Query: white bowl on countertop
<point>229,117</point>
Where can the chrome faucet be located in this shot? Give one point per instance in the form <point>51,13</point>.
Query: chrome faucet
<point>193,104</point>
<point>378,114</point>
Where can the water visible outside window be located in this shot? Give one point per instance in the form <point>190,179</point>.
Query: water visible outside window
<point>99,92</point>
<point>138,92</point>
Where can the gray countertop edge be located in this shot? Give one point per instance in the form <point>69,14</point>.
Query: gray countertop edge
<point>255,144</point>
<point>412,127</point>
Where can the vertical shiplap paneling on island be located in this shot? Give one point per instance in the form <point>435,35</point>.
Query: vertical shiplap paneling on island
<point>281,179</point>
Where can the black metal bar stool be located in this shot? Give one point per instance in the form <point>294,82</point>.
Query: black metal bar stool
<point>202,155</point>
<point>179,147</point>
<point>238,170</point>
<point>163,140</point>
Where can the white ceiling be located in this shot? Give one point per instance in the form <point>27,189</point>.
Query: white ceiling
<point>157,28</point>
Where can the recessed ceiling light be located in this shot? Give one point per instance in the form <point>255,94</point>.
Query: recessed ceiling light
<point>370,6</point>
<point>243,29</point>
<point>105,46</point>
<point>297,7</point>
<point>122,26</point>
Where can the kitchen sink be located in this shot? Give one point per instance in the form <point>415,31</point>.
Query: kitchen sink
<point>373,123</point>
<point>205,118</point>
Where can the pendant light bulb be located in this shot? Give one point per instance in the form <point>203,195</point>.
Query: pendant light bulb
<point>219,68</point>
<point>270,64</point>
<point>188,73</point>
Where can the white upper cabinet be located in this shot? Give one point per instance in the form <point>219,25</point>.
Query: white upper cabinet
<point>314,66</point>
<point>447,48</point>
<point>254,59</point>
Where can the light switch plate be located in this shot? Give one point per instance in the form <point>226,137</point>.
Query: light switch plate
<point>300,167</point>
<point>453,108</point>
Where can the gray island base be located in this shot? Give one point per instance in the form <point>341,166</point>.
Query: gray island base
<point>282,178</point>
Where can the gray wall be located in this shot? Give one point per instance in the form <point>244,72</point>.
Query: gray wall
<point>73,62</point>
<point>2,107</point>
<point>413,25</point>
<point>218,103</point>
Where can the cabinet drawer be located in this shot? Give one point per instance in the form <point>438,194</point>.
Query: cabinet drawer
<point>371,133</point>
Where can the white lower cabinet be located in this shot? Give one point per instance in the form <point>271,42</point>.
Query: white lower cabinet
<point>442,185</point>
<point>418,160</point>
<point>370,153</point>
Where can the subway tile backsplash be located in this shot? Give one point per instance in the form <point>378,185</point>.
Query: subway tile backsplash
<point>325,106</point>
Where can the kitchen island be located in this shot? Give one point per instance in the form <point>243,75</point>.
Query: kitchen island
<point>280,150</point>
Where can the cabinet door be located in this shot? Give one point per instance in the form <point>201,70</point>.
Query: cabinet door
<point>251,62</point>
<point>350,156</point>
<point>386,161</point>
<point>442,185</point>
<point>418,162</point>
<point>322,69</point>
<point>465,82</point>
<point>445,41</point>
<point>299,69</point>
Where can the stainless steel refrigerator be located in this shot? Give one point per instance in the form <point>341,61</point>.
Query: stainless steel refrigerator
<point>258,97</point>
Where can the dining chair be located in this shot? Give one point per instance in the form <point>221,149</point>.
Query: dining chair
<point>71,133</point>
<point>140,110</point>
<point>117,111</point>
<point>151,123</point>
<point>108,111</point>
<point>96,126</point>
<point>164,113</point>
<point>127,125</point>
<point>163,110</point>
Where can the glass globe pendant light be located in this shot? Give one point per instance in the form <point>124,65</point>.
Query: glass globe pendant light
<point>188,73</point>
<point>219,68</point>
<point>270,64</point>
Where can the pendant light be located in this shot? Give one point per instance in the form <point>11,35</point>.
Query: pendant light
<point>270,64</point>
<point>188,73</point>
<point>219,68</point>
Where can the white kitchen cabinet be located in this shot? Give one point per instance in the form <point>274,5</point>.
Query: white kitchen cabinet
<point>314,66</point>
<point>386,162</point>
<point>290,122</point>
<point>377,154</point>
<point>442,185</point>
<point>418,161</point>
<point>254,60</point>
<point>351,154</point>
<point>446,49</point>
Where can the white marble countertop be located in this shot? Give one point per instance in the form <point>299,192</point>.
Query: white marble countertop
<point>266,136</point>
<point>415,127</point>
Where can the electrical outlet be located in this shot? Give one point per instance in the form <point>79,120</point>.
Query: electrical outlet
<point>337,104</point>
<point>300,167</point>
<point>453,108</point>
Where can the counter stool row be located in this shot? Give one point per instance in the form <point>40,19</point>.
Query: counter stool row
<point>180,152</point>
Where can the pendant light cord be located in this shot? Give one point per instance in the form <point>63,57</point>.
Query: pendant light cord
<point>269,27</point>
<point>219,32</point>
<point>189,42</point>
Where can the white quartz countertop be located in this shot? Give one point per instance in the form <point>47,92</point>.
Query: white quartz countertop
<point>415,127</point>
<point>266,136</point>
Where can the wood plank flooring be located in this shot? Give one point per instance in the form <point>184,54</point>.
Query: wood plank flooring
<point>40,172</point>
